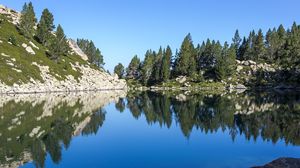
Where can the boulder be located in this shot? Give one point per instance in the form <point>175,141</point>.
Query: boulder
<point>282,162</point>
<point>181,79</point>
<point>239,68</point>
<point>33,45</point>
<point>28,49</point>
<point>240,86</point>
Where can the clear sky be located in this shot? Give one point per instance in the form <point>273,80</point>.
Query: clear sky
<point>123,28</point>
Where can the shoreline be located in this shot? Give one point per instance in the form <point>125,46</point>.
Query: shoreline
<point>62,91</point>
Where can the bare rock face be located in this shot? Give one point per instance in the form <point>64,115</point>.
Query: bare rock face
<point>13,15</point>
<point>282,163</point>
<point>73,45</point>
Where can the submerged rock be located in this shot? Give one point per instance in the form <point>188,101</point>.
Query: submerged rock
<point>282,163</point>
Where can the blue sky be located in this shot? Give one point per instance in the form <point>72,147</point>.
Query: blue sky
<point>123,28</point>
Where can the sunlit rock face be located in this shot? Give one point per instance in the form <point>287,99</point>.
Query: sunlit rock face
<point>33,124</point>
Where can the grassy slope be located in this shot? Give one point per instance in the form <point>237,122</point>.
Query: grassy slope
<point>24,60</point>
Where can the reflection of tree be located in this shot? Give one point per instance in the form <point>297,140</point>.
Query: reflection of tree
<point>53,131</point>
<point>269,115</point>
<point>38,153</point>
<point>120,105</point>
<point>95,123</point>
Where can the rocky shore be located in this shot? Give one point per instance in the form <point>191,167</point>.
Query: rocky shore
<point>91,79</point>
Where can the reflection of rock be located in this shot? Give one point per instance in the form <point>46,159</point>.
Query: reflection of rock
<point>282,163</point>
<point>24,158</point>
<point>181,97</point>
<point>34,116</point>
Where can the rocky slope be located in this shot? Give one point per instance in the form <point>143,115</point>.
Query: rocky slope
<point>32,116</point>
<point>25,67</point>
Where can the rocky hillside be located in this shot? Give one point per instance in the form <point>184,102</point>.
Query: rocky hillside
<point>31,117</point>
<point>25,66</point>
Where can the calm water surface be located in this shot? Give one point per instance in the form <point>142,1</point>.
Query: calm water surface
<point>111,129</point>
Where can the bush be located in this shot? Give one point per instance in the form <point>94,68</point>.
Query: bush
<point>13,40</point>
<point>197,78</point>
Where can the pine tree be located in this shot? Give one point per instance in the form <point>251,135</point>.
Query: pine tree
<point>226,64</point>
<point>147,66</point>
<point>185,56</point>
<point>94,54</point>
<point>58,44</point>
<point>119,70</point>
<point>45,26</point>
<point>249,49</point>
<point>27,20</point>
<point>259,47</point>
<point>243,49</point>
<point>99,61</point>
<point>220,69</point>
<point>133,70</point>
<point>166,64</point>
<point>237,42</point>
<point>156,73</point>
<point>272,45</point>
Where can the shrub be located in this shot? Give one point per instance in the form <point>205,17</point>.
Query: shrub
<point>13,40</point>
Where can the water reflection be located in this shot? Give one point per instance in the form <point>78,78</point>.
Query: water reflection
<point>273,116</point>
<point>33,125</point>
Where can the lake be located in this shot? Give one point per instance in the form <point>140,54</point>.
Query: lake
<point>147,129</point>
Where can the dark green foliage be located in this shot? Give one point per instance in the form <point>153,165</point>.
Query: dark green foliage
<point>259,47</point>
<point>13,40</point>
<point>147,66</point>
<point>166,64</point>
<point>45,26</point>
<point>27,21</point>
<point>185,63</point>
<point>119,70</point>
<point>133,70</point>
<point>93,53</point>
<point>58,44</point>
<point>236,42</point>
<point>212,61</point>
<point>225,66</point>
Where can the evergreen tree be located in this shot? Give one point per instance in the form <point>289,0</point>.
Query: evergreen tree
<point>225,66</point>
<point>58,44</point>
<point>291,56</point>
<point>242,49</point>
<point>45,26</point>
<point>133,68</point>
<point>27,20</point>
<point>220,69</point>
<point>94,54</point>
<point>237,42</point>
<point>147,66</point>
<point>259,47</point>
<point>166,64</point>
<point>272,45</point>
<point>249,49</point>
<point>119,70</point>
<point>185,56</point>
<point>156,73</point>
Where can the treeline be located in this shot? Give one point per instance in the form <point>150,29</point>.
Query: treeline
<point>56,42</point>
<point>212,113</point>
<point>216,61</point>
<point>93,53</point>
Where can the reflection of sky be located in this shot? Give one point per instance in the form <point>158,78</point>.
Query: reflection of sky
<point>123,141</point>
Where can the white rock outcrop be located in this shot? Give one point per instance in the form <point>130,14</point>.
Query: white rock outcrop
<point>28,49</point>
<point>77,50</point>
<point>91,79</point>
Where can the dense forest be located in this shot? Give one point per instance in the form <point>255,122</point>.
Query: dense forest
<point>56,42</point>
<point>211,60</point>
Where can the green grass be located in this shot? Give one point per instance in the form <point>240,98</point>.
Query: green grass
<point>23,60</point>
